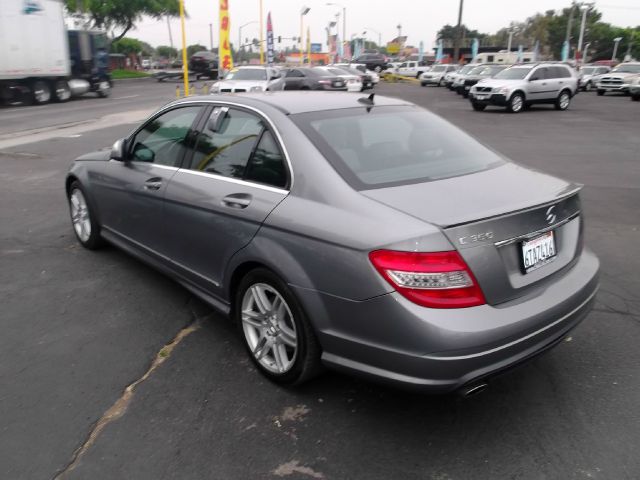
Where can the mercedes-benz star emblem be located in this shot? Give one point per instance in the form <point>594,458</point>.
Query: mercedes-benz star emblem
<point>551,216</point>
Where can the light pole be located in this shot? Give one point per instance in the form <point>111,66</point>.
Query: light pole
<point>379,35</point>
<point>586,49</point>
<point>585,9</point>
<point>615,47</point>
<point>344,19</point>
<point>303,12</point>
<point>456,41</point>
<point>240,34</point>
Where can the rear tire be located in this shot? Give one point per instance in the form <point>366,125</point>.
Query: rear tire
<point>104,89</point>
<point>423,84</point>
<point>635,98</point>
<point>516,103</point>
<point>588,86</point>
<point>276,332</point>
<point>478,107</point>
<point>600,93</point>
<point>41,91</point>
<point>563,101</point>
<point>61,91</point>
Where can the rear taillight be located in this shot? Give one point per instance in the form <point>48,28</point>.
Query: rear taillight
<point>324,82</point>
<point>435,279</point>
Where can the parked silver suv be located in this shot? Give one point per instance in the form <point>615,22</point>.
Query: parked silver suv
<point>526,84</point>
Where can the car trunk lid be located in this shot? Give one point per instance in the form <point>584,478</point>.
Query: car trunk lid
<point>488,217</point>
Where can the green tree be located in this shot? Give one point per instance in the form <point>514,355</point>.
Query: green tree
<point>166,51</point>
<point>191,49</point>
<point>120,14</point>
<point>128,46</point>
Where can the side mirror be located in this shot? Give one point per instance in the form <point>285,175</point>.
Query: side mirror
<point>118,150</point>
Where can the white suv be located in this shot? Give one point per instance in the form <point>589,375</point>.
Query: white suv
<point>526,84</point>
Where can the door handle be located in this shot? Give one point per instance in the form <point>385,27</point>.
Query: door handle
<point>153,184</point>
<point>237,200</point>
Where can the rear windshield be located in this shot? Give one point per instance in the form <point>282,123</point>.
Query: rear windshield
<point>390,146</point>
<point>439,68</point>
<point>247,74</point>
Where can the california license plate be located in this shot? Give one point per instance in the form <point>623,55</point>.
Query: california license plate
<point>538,251</point>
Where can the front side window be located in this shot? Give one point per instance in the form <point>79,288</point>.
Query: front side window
<point>389,146</point>
<point>163,140</point>
<point>226,142</point>
<point>540,74</point>
<point>294,74</point>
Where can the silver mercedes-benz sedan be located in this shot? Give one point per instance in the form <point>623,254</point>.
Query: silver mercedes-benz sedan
<point>361,233</point>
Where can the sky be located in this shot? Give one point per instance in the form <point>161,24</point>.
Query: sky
<point>420,19</point>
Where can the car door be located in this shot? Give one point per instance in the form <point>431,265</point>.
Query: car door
<point>293,80</point>
<point>538,88</point>
<point>130,192</point>
<point>216,202</point>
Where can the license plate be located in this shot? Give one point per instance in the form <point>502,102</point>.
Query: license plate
<point>538,251</point>
<point>467,88</point>
<point>481,97</point>
<point>339,84</point>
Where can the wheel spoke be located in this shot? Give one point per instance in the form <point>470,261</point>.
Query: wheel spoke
<point>260,299</point>
<point>280,356</point>
<point>288,336</point>
<point>261,349</point>
<point>252,318</point>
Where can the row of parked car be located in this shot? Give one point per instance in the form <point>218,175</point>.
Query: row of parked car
<point>516,87</point>
<point>338,77</point>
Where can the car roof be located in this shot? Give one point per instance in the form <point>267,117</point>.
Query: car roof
<point>292,102</point>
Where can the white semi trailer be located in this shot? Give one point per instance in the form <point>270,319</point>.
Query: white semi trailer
<point>36,63</point>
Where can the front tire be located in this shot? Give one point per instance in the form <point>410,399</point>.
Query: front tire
<point>276,332</point>
<point>600,93</point>
<point>83,218</point>
<point>635,97</point>
<point>563,101</point>
<point>478,107</point>
<point>516,103</point>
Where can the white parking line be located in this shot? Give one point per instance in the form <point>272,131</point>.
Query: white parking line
<point>128,96</point>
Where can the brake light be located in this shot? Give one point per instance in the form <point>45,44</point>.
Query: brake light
<point>324,82</point>
<point>434,279</point>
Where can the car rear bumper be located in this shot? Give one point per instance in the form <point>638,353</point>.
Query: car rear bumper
<point>488,99</point>
<point>392,340</point>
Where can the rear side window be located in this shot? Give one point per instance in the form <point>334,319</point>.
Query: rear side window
<point>226,150</point>
<point>389,146</point>
<point>267,163</point>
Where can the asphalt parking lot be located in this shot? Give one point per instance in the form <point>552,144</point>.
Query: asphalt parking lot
<point>110,370</point>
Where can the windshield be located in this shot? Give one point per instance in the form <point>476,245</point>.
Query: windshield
<point>389,146</point>
<point>588,71</point>
<point>247,74</point>
<point>627,69</point>
<point>338,71</point>
<point>465,69</point>
<point>439,68</point>
<point>517,73</point>
<point>476,70</point>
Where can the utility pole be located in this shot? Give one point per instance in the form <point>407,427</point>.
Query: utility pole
<point>456,41</point>
<point>170,36</point>
<point>211,35</point>
<point>585,10</point>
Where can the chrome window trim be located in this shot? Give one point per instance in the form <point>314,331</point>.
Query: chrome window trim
<point>238,181</point>
<point>262,115</point>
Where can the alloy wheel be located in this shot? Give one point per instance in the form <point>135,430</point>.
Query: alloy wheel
<point>269,328</point>
<point>80,215</point>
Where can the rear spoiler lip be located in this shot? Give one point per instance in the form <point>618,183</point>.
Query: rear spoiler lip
<point>574,189</point>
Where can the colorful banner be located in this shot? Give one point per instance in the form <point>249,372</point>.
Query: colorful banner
<point>439,51</point>
<point>270,49</point>
<point>565,51</point>
<point>340,48</point>
<point>474,49</point>
<point>520,54</point>
<point>347,50</point>
<point>225,62</point>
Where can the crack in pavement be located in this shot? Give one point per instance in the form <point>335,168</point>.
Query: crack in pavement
<point>119,408</point>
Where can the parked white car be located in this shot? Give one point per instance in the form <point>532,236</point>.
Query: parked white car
<point>436,75</point>
<point>590,74</point>
<point>412,69</point>
<point>246,79</point>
